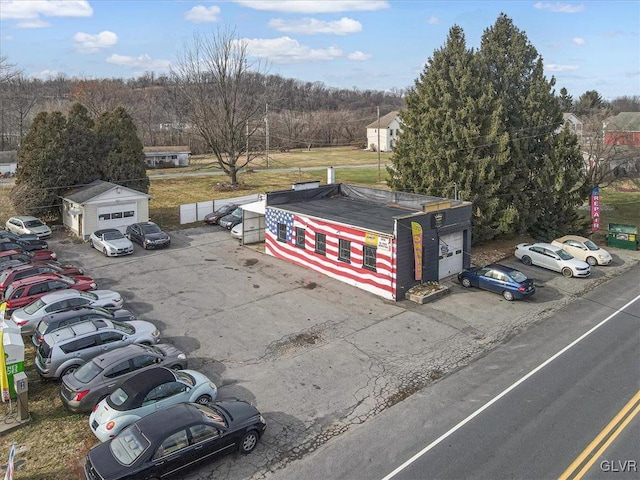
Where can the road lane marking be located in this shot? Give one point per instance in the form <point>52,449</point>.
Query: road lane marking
<point>505,392</point>
<point>608,435</point>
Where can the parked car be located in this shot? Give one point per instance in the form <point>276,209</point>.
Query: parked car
<point>27,318</point>
<point>145,393</point>
<point>65,318</point>
<point>11,263</point>
<point>552,257</point>
<point>22,292</point>
<point>99,377</point>
<point>30,239</point>
<point>583,249</point>
<point>149,235</point>
<point>236,232</point>
<point>171,440</point>
<point>111,242</point>
<point>8,275</point>
<point>35,255</point>
<point>507,281</point>
<point>214,217</point>
<point>30,225</point>
<point>67,349</point>
<point>231,220</point>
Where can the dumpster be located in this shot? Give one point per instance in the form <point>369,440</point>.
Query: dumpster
<point>622,236</point>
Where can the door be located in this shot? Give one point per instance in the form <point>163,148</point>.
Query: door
<point>450,248</point>
<point>117,216</point>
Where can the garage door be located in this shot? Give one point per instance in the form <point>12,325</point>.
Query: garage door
<point>117,216</point>
<point>450,259</point>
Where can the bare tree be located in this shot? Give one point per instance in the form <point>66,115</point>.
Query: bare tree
<point>225,93</point>
<point>104,95</point>
<point>8,72</point>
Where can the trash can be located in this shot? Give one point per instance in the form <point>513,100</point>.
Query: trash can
<point>622,236</point>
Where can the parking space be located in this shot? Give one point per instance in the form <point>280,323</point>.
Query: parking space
<point>314,355</point>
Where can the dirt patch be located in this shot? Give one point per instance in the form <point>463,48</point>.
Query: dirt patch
<point>496,250</point>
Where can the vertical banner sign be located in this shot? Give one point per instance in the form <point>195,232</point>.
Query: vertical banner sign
<point>595,209</point>
<point>4,381</point>
<point>416,233</point>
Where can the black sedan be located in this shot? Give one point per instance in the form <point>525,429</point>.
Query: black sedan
<point>507,281</point>
<point>29,239</point>
<point>231,220</point>
<point>169,441</point>
<point>149,235</point>
<point>214,217</point>
<point>21,245</point>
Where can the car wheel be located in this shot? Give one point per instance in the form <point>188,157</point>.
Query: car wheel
<point>104,251</point>
<point>466,283</point>
<point>592,261</point>
<point>203,399</point>
<point>526,259</point>
<point>91,244</point>
<point>249,442</point>
<point>68,370</point>
<point>567,272</point>
<point>176,367</point>
<point>508,296</point>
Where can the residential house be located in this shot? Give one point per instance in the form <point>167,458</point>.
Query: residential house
<point>385,131</point>
<point>574,124</point>
<point>159,157</point>
<point>622,129</point>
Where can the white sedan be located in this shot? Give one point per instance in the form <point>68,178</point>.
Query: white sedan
<point>552,257</point>
<point>111,242</point>
<point>583,249</point>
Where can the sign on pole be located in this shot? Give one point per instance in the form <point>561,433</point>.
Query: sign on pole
<point>595,209</point>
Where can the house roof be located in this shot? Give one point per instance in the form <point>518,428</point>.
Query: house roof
<point>385,120</point>
<point>85,193</point>
<point>571,117</point>
<point>167,149</point>
<point>624,122</point>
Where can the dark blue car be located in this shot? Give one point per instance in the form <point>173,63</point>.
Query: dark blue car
<point>507,281</point>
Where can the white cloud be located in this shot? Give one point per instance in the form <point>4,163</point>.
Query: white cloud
<point>311,26</point>
<point>315,6</point>
<point>560,7</point>
<point>142,62</point>
<point>561,68</point>
<point>29,12</point>
<point>578,40</point>
<point>433,20</point>
<point>87,43</point>
<point>202,14</point>
<point>288,50</point>
<point>45,74</point>
<point>358,55</point>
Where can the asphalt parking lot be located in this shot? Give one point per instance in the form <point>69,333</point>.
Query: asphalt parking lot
<point>314,355</point>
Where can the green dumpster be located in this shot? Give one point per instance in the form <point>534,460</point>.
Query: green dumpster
<point>623,236</point>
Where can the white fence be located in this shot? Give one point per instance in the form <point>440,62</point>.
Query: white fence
<point>195,212</point>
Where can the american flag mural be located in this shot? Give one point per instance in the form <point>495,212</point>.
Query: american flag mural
<point>380,282</point>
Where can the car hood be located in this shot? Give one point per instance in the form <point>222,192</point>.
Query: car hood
<point>169,350</point>
<point>39,230</point>
<point>575,263</point>
<point>142,328</point>
<point>239,411</point>
<point>118,243</point>
<point>123,315</point>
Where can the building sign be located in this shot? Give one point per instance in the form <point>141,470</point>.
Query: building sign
<point>384,243</point>
<point>370,238</point>
<point>437,220</point>
<point>416,233</point>
<point>595,209</point>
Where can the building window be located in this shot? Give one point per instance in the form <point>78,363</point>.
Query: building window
<point>321,243</point>
<point>104,216</point>
<point>282,232</point>
<point>369,257</point>
<point>129,214</point>
<point>300,237</point>
<point>344,251</point>
<point>116,215</point>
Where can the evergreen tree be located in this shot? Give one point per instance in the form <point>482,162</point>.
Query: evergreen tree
<point>120,150</point>
<point>566,101</point>
<point>80,145</point>
<point>590,102</point>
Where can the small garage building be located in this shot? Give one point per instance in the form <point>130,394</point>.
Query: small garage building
<point>365,237</point>
<point>101,205</point>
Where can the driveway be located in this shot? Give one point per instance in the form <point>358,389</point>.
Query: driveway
<point>316,356</point>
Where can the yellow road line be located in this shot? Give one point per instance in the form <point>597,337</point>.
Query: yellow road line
<point>612,430</point>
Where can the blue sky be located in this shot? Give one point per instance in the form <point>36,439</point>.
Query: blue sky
<point>366,44</point>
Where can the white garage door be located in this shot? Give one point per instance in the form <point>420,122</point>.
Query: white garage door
<point>117,216</point>
<point>450,254</point>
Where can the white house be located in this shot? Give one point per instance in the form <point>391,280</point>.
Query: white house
<point>101,205</point>
<point>158,157</point>
<point>574,123</point>
<point>390,128</point>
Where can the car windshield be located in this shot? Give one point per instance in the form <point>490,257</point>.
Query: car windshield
<point>90,295</point>
<point>151,228</point>
<point>87,372</point>
<point>124,327</point>
<point>118,397</point>
<point>42,327</point>
<point>212,413</point>
<point>517,276</point>
<point>591,246</point>
<point>33,223</point>
<point>563,254</point>
<point>185,377</point>
<point>34,306</point>
<point>237,212</point>
<point>128,445</point>
<point>9,291</point>
<point>64,278</point>
<point>115,235</point>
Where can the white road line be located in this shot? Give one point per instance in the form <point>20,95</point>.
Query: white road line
<point>504,392</point>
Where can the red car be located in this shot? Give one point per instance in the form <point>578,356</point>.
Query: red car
<point>10,275</point>
<point>35,255</point>
<point>23,292</point>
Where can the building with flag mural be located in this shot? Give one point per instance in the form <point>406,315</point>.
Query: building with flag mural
<point>382,241</point>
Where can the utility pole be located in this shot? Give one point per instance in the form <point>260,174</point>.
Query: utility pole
<point>247,135</point>
<point>266,121</point>
<point>378,144</point>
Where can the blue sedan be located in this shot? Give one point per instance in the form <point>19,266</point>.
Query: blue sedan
<point>507,281</point>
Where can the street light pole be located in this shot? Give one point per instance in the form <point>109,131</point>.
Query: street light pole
<point>378,144</point>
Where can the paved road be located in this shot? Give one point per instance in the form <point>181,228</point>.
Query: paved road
<point>536,430</point>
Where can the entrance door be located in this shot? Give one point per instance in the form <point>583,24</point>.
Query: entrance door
<point>450,254</point>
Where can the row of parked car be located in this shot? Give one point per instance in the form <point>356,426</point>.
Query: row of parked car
<point>571,255</point>
<point>228,216</point>
<point>153,414</point>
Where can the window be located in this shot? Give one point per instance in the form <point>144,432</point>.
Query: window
<point>202,432</point>
<point>344,251</point>
<point>142,361</point>
<point>108,337</point>
<point>119,369</point>
<point>369,257</point>
<point>104,216</point>
<point>282,232</point>
<point>172,444</point>
<point>321,243</point>
<point>129,214</point>
<point>300,237</point>
<point>116,215</point>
